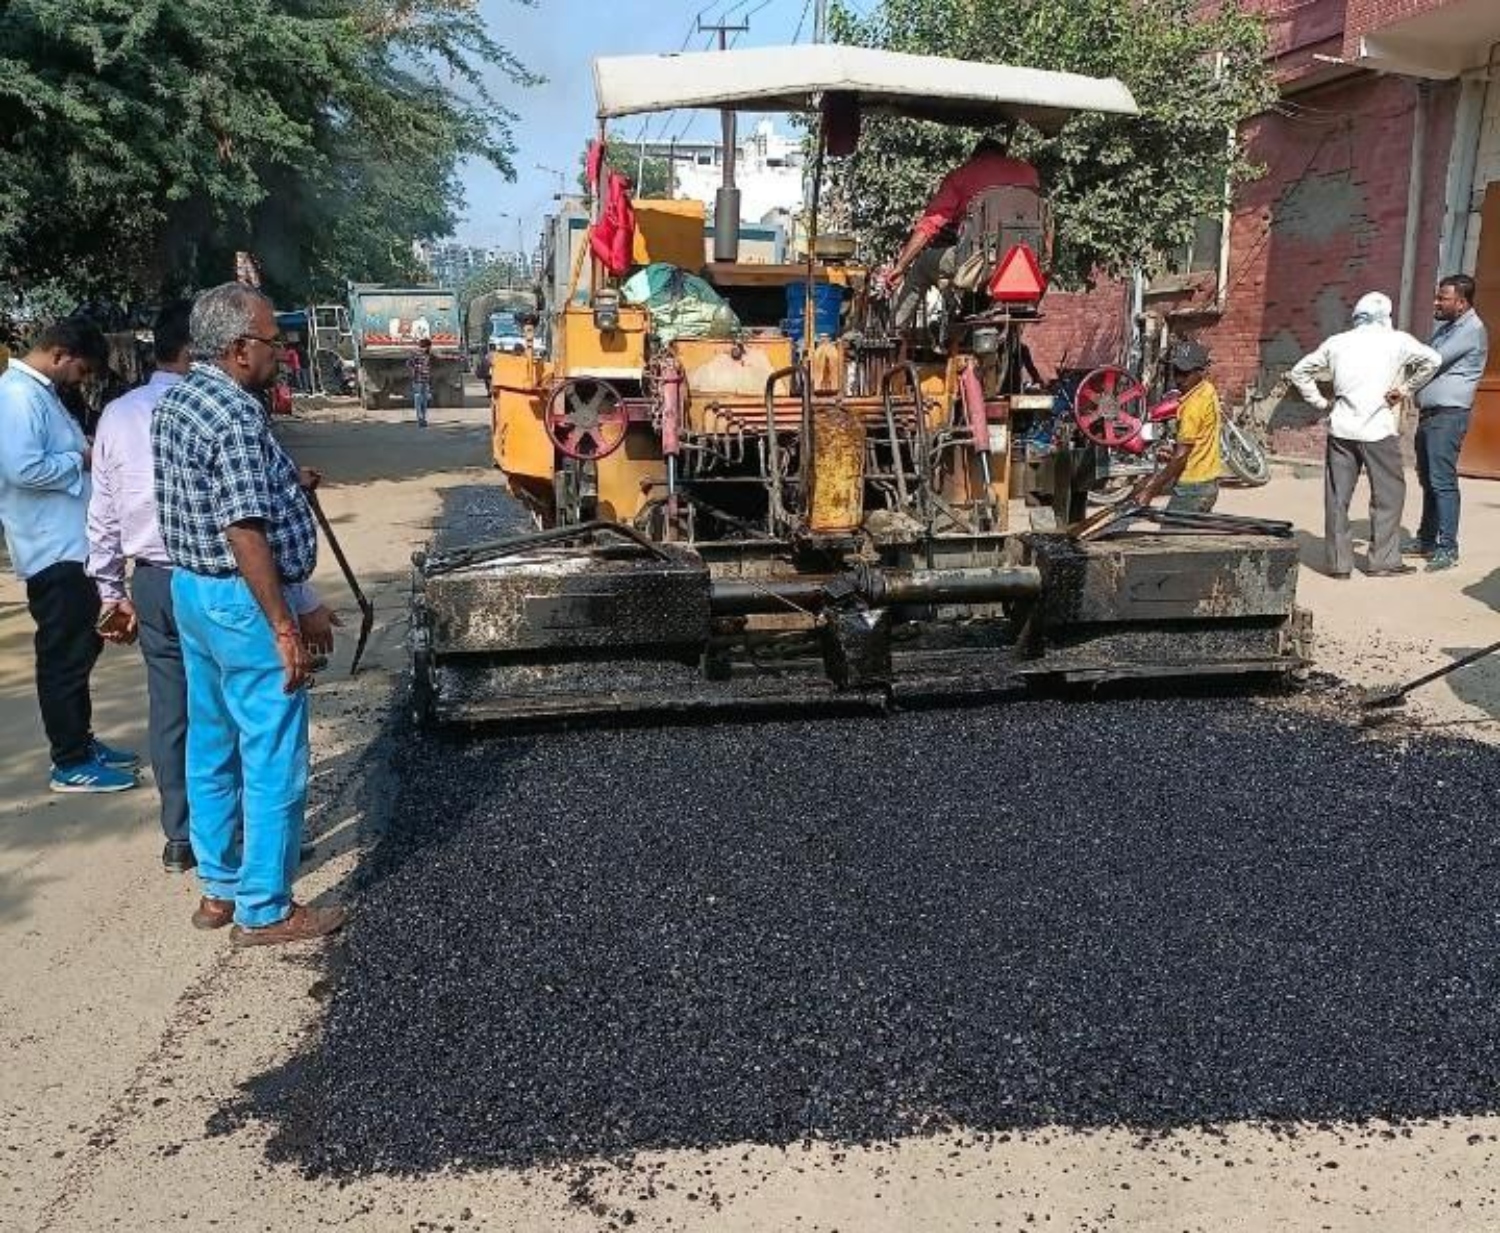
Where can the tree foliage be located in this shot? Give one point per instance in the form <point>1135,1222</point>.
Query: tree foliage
<point>143,142</point>
<point>1125,190</point>
<point>650,176</point>
<point>510,271</point>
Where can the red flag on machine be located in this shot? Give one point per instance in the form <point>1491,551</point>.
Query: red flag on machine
<point>593,164</point>
<point>613,237</point>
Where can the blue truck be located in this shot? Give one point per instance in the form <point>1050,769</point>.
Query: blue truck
<point>387,323</point>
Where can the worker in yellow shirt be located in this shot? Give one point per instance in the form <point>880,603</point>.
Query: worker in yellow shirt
<point>1199,416</point>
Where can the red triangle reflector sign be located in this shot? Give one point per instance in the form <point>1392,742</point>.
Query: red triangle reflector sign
<point>1018,279</point>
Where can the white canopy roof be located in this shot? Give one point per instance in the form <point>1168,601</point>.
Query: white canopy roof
<point>795,78</point>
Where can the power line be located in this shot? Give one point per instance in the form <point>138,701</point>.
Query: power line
<point>694,20</point>
<point>802,21</point>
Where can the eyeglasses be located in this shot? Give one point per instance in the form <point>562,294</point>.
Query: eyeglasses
<point>276,342</point>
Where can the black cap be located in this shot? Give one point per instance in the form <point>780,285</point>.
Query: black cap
<point>1189,357</point>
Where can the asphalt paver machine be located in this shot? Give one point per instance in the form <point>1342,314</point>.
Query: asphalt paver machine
<point>786,508</point>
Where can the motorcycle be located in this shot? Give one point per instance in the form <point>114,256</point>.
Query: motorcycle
<point>1111,408</point>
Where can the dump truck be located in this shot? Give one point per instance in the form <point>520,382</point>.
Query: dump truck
<point>387,323</point>
<point>749,486</point>
<point>496,320</point>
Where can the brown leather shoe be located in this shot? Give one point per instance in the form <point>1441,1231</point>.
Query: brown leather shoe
<point>302,924</point>
<point>213,913</point>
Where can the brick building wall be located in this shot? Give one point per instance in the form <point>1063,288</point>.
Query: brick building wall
<point>1367,16</point>
<point>1324,224</point>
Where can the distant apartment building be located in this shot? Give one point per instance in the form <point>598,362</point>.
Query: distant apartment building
<point>449,263</point>
<point>1382,163</point>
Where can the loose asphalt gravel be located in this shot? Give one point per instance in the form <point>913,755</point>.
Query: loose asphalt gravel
<point>1130,912</point>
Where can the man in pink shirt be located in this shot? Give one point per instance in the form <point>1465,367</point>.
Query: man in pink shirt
<point>928,253</point>
<point>122,525</point>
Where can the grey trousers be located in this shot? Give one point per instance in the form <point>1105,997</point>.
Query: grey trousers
<point>931,267</point>
<point>166,691</point>
<point>1381,460</point>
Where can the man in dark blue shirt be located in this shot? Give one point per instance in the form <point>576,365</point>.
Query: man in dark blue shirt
<point>239,531</point>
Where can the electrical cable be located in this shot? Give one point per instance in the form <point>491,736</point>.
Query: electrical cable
<point>802,21</point>
<point>698,14</point>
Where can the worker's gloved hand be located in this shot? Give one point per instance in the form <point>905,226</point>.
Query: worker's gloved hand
<point>884,283</point>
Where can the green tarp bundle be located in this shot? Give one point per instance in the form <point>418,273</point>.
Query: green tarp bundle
<point>682,305</point>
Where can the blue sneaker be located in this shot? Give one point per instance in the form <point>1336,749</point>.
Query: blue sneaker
<point>1442,558</point>
<point>91,777</point>
<point>115,759</point>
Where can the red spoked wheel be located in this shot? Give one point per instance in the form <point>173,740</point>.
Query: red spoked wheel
<point>1110,407</point>
<point>586,418</point>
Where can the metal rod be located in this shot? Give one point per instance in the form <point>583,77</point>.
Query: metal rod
<point>432,564</point>
<point>880,587</point>
<point>1391,697</point>
<point>778,507</point>
<point>366,608</point>
<point>742,597</point>
<point>896,461</point>
<point>984,584</point>
<point>919,425</point>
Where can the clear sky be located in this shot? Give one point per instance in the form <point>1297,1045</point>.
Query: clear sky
<point>559,39</point>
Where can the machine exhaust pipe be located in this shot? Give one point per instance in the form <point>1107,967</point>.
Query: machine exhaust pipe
<point>727,224</point>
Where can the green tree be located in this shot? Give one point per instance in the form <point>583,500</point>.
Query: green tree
<point>1125,190</point>
<point>651,176</point>
<point>509,271</point>
<point>142,142</point>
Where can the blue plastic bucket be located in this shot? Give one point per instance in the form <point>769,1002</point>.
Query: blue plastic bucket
<point>828,299</point>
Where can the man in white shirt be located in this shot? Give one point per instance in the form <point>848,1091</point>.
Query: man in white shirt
<point>1373,369</point>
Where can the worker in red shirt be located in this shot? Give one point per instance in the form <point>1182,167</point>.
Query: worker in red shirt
<point>928,254</point>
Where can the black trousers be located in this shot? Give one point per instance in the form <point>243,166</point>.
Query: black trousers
<point>64,603</point>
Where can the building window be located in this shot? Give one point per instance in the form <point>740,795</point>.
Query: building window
<point>1201,254</point>
<point>1186,266</point>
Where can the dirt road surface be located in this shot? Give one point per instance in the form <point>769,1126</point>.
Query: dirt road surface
<point>129,1039</point>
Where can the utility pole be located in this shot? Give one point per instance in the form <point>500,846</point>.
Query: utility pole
<point>820,21</point>
<point>727,199</point>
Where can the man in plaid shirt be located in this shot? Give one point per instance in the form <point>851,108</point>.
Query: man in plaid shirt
<point>419,366</point>
<point>238,529</point>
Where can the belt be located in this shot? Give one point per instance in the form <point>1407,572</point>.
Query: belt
<point>224,577</point>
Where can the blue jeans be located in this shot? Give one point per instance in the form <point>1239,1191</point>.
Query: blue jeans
<point>1193,498</point>
<point>421,397</point>
<point>247,749</point>
<point>1440,437</point>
